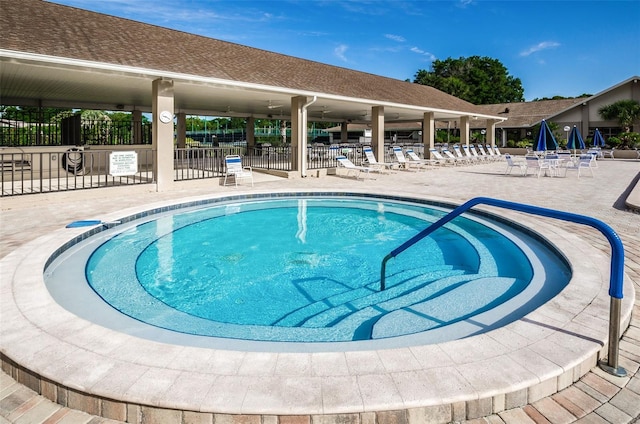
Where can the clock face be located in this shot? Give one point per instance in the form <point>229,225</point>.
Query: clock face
<point>166,116</point>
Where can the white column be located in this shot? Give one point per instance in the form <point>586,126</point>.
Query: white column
<point>297,132</point>
<point>377,132</point>
<point>428,132</point>
<point>162,109</point>
<point>491,132</point>
<point>464,130</point>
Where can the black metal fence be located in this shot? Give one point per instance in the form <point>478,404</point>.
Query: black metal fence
<point>64,170</point>
<point>26,128</point>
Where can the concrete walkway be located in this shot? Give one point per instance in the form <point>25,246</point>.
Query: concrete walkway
<point>596,398</point>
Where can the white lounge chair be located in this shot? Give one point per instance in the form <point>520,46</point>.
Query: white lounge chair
<point>403,162</point>
<point>585,161</point>
<point>499,154</point>
<point>436,154</point>
<point>373,162</point>
<point>459,156</point>
<point>413,157</point>
<point>514,163</point>
<point>484,154</point>
<point>492,154</point>
<point>352,169</point>
<point>450,156</point>
<point>470,157</point>
<point>236,170</point>
<point>475,154</point>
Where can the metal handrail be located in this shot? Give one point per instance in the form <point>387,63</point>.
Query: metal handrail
<point>617,261</point>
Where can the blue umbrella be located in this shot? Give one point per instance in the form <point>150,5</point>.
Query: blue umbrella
<point>575,141</point>
<point>598,140</point>
<point>546,140</point>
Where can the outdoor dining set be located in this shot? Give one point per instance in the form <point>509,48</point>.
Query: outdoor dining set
<point>547,159</point>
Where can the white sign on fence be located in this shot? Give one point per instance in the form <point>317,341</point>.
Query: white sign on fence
<point>123,163</point>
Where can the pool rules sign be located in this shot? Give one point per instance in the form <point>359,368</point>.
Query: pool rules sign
<point>122,164</point>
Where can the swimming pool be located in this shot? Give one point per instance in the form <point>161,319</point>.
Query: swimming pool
<point>306,269</point>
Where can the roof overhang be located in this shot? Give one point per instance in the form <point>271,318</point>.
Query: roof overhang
<point>29,79</point>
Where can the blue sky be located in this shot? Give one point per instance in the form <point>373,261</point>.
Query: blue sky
<point>564,48</point>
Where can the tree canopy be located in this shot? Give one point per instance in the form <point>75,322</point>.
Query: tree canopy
<point>479,80</point>
<point>626,112</point>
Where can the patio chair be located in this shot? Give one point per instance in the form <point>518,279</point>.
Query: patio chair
<point>373,162</point>
<point>610,153</point>
<point>585,161</point>
<point>352,169</point>
<point>537,165</point>
<point>236,170</point>
<point>513,163</point>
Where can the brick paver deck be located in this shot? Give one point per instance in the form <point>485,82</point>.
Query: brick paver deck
<point>596,398</point>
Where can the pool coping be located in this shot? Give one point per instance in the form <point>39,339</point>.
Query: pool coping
<point>525,361</point>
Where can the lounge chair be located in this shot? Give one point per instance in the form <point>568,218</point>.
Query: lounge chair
<point>492,154</point>
<point>436,154</point>
<point>373,163</point>
<point>403,162</point>
<point>499,154</point>
<point>459,156</point>
<point>585,161</point>
<point>475,154</point>
<point>513,163</point>
<point>413,157</point>
<point>352,169</point>
<point>450,156</point>
<point>236,170</point>
<point>483,153</point>
<point>470,157</point>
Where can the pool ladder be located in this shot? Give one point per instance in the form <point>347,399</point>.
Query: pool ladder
<point>616,278</point>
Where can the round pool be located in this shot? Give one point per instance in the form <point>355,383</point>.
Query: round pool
<point>297,269</point>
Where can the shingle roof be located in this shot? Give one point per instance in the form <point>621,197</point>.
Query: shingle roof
<point>526,114</point>
<point>40,27</point>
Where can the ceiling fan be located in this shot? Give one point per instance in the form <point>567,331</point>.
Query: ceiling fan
<point>272,106</point>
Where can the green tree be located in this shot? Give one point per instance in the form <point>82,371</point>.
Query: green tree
<point>479,80</point>
<point>626,112</point>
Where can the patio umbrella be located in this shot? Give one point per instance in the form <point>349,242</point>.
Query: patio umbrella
<point>546,140</point>
<point>575,141</point>
<point>598,140</point>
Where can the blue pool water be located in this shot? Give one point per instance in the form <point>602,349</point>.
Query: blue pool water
<point>306,269</point>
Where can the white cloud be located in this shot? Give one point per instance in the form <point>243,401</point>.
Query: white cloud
<point>340,51</point>
<point>398,38</point>
<point>540,46</point>
<point>419,51</point>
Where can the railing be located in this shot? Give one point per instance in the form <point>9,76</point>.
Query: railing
<point>201,163</point>
<point>617,261</point>
<point>49,129</point>
<point>63,170</point>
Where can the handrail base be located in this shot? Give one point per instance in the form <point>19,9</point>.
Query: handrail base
<point>616,371</point>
